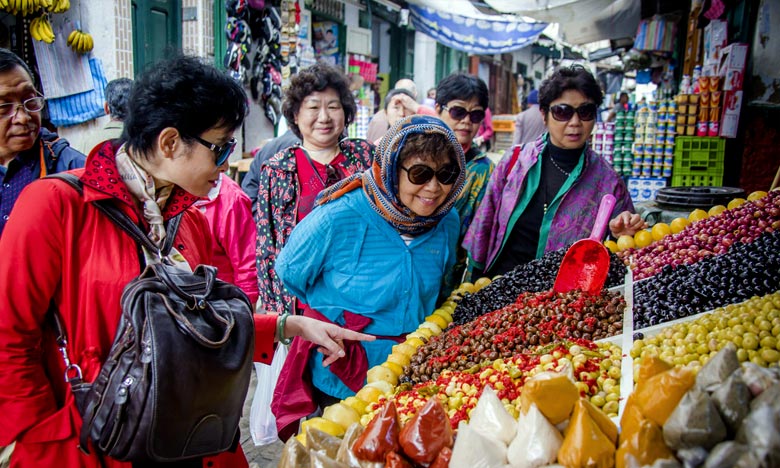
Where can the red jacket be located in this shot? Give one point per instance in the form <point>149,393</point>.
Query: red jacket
<point>57,246</point>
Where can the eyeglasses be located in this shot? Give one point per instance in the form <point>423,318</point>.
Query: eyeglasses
<point>564,112</point>
<point>333,175</point>
<point>32,105</point>
<point>222,152</point>
<point>420,174</point>
<point>458,112</point>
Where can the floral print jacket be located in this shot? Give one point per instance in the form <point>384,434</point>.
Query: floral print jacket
<point>277,213</point>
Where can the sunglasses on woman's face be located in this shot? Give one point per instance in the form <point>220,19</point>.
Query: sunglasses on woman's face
<point>564,112</point>
<point>222,153</point>
<point>458,112</point>
<point>420,174</point>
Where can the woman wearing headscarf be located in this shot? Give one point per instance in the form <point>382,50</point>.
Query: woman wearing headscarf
<point>372,257</point>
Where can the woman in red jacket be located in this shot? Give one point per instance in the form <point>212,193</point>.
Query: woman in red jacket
<point>58,248</point>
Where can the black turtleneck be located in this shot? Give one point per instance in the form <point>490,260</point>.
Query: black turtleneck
<point>520,247</point>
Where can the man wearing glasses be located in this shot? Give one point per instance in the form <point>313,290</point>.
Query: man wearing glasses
<point>27,151</point>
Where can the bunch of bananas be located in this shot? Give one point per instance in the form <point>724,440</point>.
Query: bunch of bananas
<point>40,29</point>
<point>56,6</point>
<point>22,7</point>
<point>80,41</point>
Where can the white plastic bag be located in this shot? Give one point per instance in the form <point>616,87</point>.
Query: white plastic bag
<point>537,442</point>
<point>490,418</point>
<point>473,450</point>
<point>262,423</point>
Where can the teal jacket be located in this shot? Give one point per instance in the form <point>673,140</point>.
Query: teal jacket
<point>345,256</point>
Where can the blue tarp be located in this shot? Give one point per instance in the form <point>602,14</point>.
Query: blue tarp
<point>475,35</point>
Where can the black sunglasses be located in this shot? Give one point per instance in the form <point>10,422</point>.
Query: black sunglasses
<point>564,112</point>
<point>333,175</point>
<point>458,112</point>
<point>420,174</point>
<point>222,152</point>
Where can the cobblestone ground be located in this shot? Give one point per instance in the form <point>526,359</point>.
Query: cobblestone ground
<point>266,456</point>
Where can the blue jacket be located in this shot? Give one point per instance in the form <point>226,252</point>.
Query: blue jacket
<point>345,256</point>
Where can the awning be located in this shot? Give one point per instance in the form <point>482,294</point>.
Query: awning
<point>476,33</point>
<point>582,21</point>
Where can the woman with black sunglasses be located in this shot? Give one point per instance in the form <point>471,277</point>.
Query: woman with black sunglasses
<point>318,106</point>
<point>544,195</point>
<point>371,257</point>
<point>462,102</point>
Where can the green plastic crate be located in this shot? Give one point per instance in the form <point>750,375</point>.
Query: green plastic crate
<point>698,161</point>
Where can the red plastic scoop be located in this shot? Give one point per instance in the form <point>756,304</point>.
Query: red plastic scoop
<point>586,264</point>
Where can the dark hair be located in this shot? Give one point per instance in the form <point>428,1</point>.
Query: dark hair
<point>117,92</point>
<point>575,77</point>
<point>185,93</point>
<point>428,147</point>
<point>318,77</point>
<point>464,87</point>
<point>395,92</point>
<point>9,60</point>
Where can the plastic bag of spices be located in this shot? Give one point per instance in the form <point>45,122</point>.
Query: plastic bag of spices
<point>473,450</point>
<point>658,396</point>
<point>537,441</point>
<point>393,460</point>
<point>553,393</point>
<point>694,423</point>
<point>345,454</point>
<point>602,420</point>
<point>319,459</point>
<point>651,365</point>
<point>294,454</point>
<point>725,454</point>
<point>442,459</point>
<point>320,441</point>
<point>584,444</point>
<point>645,446</point>
<point>429,431</point>
<point>718,369</point>
<point>380,436</point>
<point>732,398</point>
<point>491,419</point>
<point>759,432</point>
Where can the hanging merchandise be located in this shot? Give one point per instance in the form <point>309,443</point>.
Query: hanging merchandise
<point>656,34</point>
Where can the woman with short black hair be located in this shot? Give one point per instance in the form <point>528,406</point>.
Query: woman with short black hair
<point>544,195</point>
<point>318,106</point>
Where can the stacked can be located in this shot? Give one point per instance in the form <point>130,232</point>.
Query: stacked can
<point>653,148</point>
<point>604,141</point>
<point>624,138</point>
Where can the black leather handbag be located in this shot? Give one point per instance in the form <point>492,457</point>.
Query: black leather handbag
<point>176,377</point>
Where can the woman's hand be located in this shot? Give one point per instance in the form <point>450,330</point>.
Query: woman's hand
<point>327,336</point>
<point>626,223</point>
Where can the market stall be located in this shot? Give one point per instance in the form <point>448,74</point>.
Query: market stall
<point>508,371</point>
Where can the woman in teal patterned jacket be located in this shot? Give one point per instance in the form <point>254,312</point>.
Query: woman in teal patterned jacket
<point>461,102</point>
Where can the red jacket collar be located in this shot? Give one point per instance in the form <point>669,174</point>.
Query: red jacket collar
<point>102,175</point>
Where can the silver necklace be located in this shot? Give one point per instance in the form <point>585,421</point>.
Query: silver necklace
<point>567,174</point>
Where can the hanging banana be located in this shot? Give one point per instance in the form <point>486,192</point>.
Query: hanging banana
<point>41,30</point>
<point>80,41</point>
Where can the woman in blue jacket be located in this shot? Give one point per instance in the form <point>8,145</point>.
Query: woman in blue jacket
<point>372,257</point>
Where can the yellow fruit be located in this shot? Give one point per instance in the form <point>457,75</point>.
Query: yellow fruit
<point>611,245</point>
<point>625,242</point>
<point>678,224</point>
<point>414,342</point>
<point>449,305</point>
<point>394,367</point>
<point>418,336</point>
<point>356,404</point>
<point>467,287</point>
<point>341,414</point>
<point>443,314</point>
<point>435,329</point>
<point>482,282</point>
<point>378,373</point>
<point>401,359</point>
<point>438,320</point>
<point>382,386</point>
<point>369,394</point>
<point>697,215</point>
<point>643,238</point>
<point>660,230</point>
<point>735,203</point>
<point>756,195</point>
<point>404,349</point>
<point>716,210</point>
<point>325,425</point>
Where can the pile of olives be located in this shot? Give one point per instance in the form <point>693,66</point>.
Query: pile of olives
<point>535,319</point>
<point>534,276</point>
